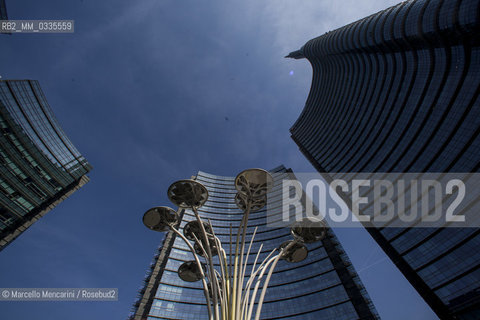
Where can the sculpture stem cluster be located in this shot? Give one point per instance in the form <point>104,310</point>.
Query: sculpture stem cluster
<point>230,293</point>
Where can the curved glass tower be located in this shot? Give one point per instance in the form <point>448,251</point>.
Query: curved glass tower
<point>40,167</point>
<point>324,286</point>
<point>398,91</point>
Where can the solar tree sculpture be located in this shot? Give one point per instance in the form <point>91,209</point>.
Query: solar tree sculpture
<point>230,294</point>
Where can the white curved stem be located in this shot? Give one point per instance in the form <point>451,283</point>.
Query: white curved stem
<point>205,287</point>
<point>242,251</point>
<point>223,260</point>
<point>210,263</point>
<point>253,275</point>
<point>244,268</point>
<point>267,281</point>
<point>252,299</point>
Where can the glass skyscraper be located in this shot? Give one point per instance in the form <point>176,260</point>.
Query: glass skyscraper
<point>40,167</point>
<point>324,286</point>
<point>398,91</point>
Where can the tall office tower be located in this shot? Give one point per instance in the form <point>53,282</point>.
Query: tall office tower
<point>324,286</point>
<point>398,91</point>
<point>40,167</point>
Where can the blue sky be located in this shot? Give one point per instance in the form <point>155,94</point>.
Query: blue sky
<point>151,92</point>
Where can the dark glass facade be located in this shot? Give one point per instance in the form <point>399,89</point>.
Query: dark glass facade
<point>398,91</point>
<point>3,10</point>
<point>324,286</point>
<point>40,167</point>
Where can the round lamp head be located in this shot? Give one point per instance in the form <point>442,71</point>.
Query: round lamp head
<point>254,183</point>
<point>193,228</point>
<point>309,230</point>
<point>212,243</point>
<point>256,204</point>
<point>296,253</point>
<point>190,272</point>
<point>210,289</point>
<point>159,218</point>
<point>188,193</point>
